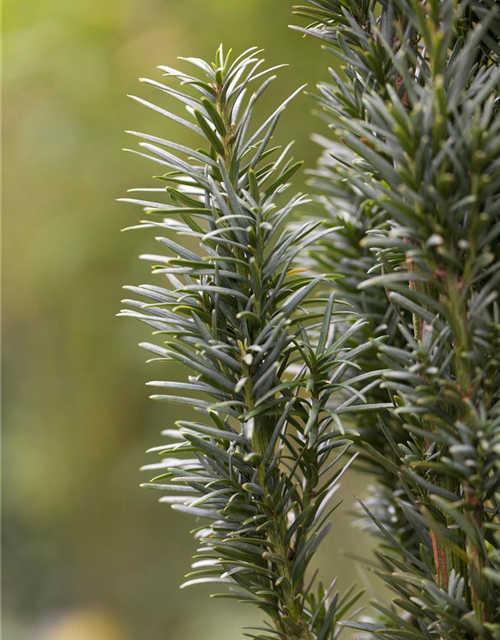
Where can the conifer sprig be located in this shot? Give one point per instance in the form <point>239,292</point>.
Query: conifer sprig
<point>260,464</point>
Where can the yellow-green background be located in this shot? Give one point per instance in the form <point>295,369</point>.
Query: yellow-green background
<point>87,555</point>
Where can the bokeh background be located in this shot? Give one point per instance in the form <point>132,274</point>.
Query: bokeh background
<point>87,555</point>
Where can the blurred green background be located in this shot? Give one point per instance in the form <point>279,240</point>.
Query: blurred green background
<point>86,553</point>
